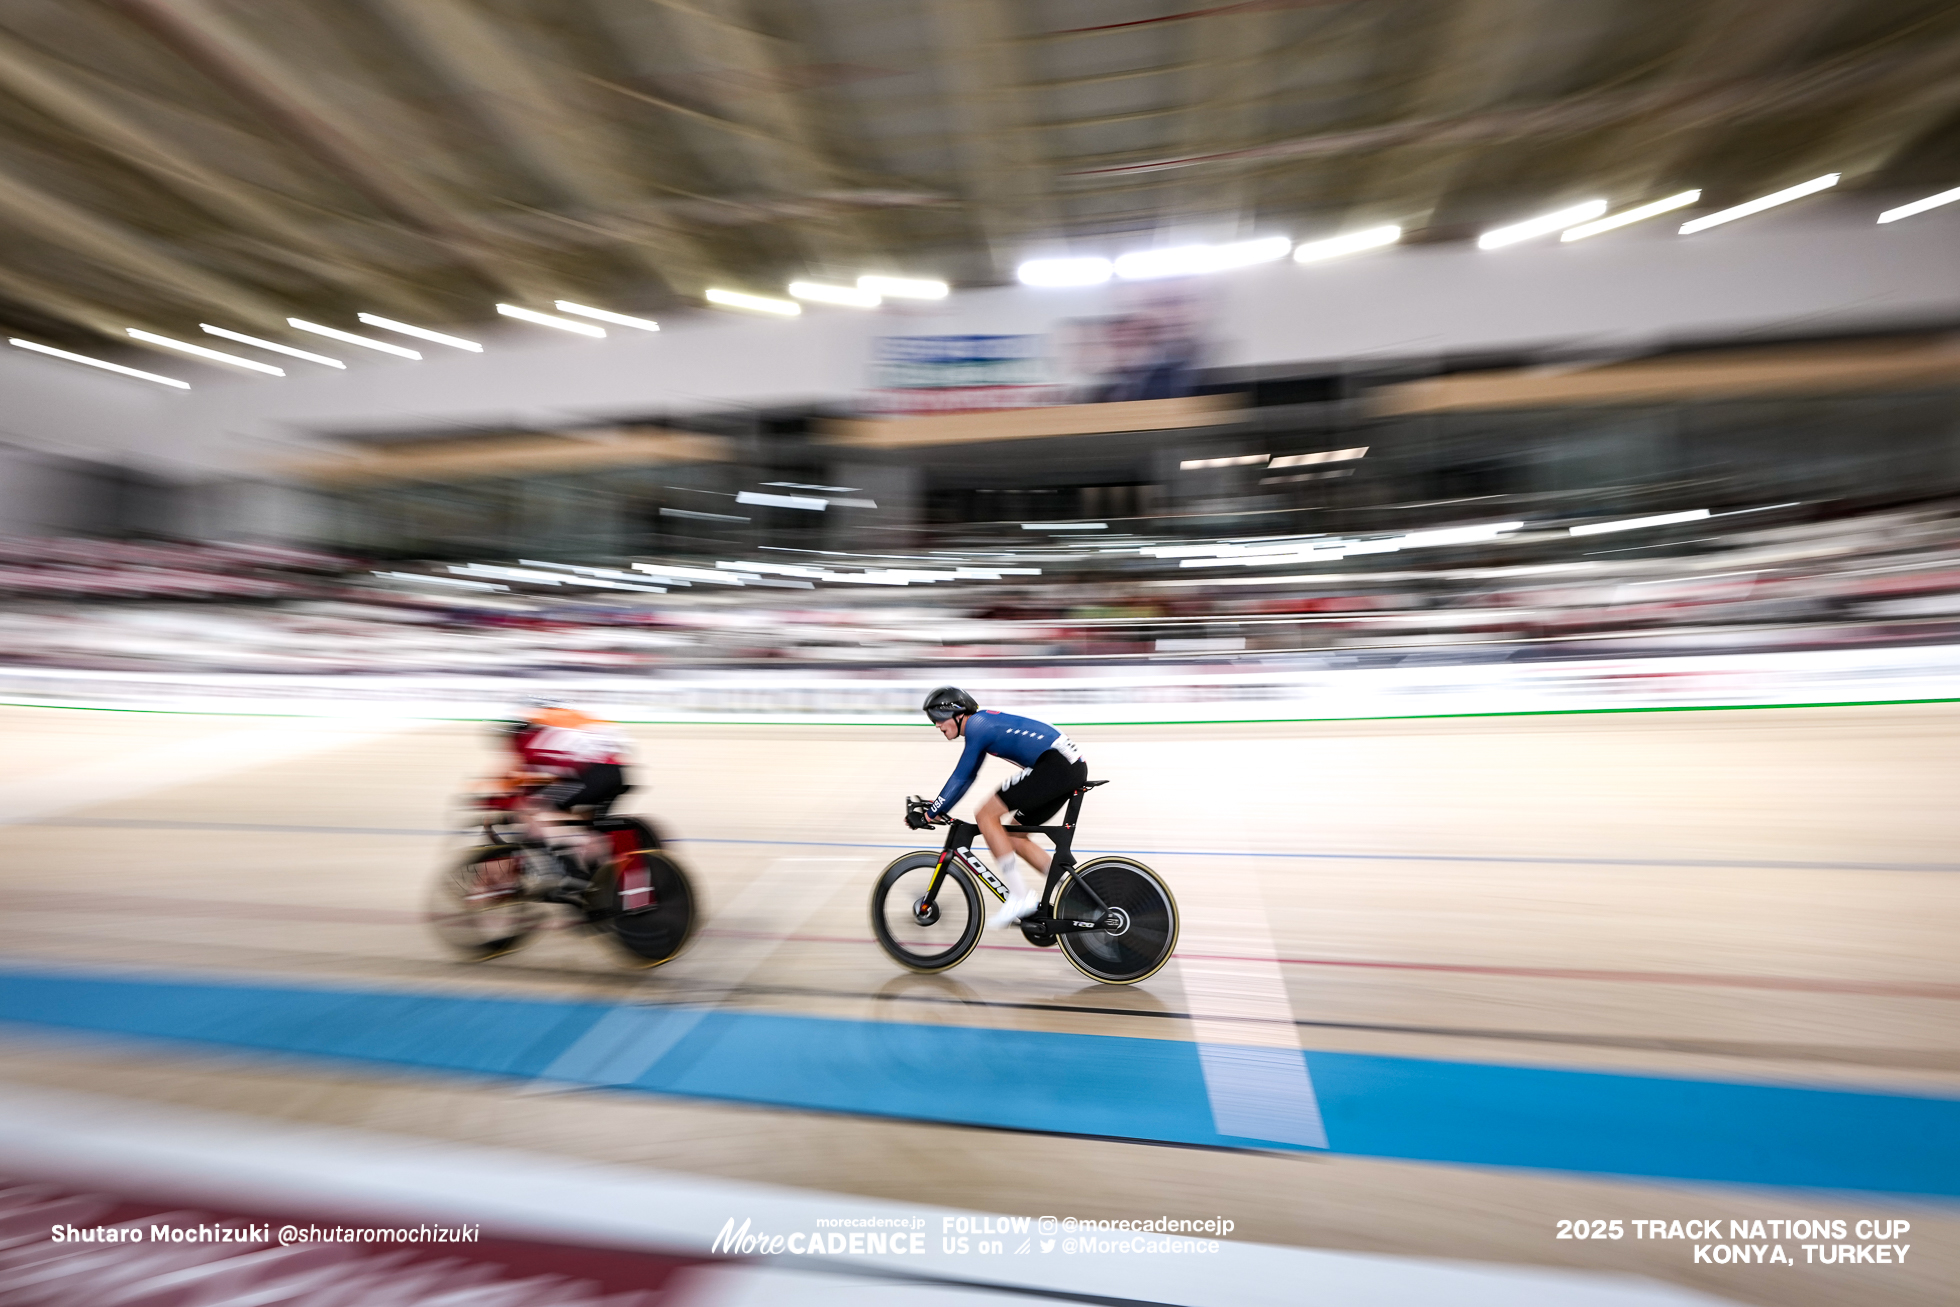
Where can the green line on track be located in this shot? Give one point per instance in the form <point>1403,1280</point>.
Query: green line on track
<point>1160,721</point>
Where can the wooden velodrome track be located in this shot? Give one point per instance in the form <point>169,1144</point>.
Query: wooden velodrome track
<point>1766,897</point>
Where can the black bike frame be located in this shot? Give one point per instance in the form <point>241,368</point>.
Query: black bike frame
<point>959,838</point>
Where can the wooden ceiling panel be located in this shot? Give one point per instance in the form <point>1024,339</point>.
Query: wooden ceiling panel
<point>233,158</point>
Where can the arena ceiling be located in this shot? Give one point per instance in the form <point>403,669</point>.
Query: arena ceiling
<point>170,162</point>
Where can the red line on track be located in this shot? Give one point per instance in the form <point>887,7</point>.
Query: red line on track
<point>1717,980</point>
<point>1810,984</point>
<point>1714,980</point>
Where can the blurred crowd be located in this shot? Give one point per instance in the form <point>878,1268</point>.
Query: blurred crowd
<point>1787,577</point>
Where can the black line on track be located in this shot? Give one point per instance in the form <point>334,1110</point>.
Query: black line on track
<point>1904,1058</point>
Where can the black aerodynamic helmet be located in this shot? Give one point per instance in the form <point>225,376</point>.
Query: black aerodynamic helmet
<point>948,702</point>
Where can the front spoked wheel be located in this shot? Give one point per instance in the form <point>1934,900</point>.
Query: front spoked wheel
<point>1137,916</point>
<point>477,906</point>
<point>921,935</point>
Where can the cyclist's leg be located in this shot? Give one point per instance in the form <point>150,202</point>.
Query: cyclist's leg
<point>1031,798</point>
<point>593,792</point>
<point>1035,799</point>
<point>990,818</point>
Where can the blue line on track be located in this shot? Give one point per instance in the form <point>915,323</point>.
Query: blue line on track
<point>1148,1090</point>
<point>1482,859</point>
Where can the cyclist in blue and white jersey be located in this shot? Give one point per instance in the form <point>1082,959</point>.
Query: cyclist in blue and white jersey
<point>1052,769</point>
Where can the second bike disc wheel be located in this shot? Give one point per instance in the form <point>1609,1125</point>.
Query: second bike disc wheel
<point>477,907</point>
<point>1144,931</point>
<point>922,937</point>
<point>651,921</point>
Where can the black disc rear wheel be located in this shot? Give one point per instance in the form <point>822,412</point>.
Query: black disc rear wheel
<point>651,906</point>
<point>923,936</point>
<point>1137,916</point>
<point>477,905</point>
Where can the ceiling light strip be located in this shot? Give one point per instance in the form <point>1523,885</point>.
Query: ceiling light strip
<point>335,333</point>
<point>244,339</point>
<point>389,324</point>
<point>1194,260</point>
<point>1618,220</point>
<point>1352,243</point>
<point>547,320</point>
<point>1797,192</point>
<point>1633,523</point>
<point>1920,206</point>
<point>1543,225</point>
<point>606,315</point>
<point>215,356</point>
<point>97,363</point>
<point>1324,456</point>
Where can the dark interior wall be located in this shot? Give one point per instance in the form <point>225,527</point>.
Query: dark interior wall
<point>44,494</point>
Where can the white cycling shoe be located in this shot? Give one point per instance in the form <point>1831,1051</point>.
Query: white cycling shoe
<point>1011,912</point>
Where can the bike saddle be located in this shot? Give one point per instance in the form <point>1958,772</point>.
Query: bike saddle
<point>1090,785</point>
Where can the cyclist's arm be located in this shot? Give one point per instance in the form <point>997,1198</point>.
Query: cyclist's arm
<point>956,785</point>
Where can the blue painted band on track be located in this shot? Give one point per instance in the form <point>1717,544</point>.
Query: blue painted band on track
<point>1147,1090</point>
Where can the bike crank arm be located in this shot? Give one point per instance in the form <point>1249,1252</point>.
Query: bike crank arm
<point>1075,925</point>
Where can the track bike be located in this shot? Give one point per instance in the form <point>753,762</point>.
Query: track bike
<point>490,901</point>
<point>1113,918</point>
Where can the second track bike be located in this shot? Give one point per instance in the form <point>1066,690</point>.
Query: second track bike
<point>490,901</point>
<point>1113,918</point>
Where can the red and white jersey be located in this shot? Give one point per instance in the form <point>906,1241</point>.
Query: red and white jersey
<point>566,740</point>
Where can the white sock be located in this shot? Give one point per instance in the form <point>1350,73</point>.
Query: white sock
<point>1009,870</point>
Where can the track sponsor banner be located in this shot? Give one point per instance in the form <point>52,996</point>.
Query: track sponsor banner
<point>1320,691</point>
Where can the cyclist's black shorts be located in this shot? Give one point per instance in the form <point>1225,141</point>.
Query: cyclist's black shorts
<point>595,787</point>
<point>1039,792</point>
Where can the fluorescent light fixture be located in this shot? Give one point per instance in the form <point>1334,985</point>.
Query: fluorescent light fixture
<point>334,333</point>
<point>808,502</point>
<point>1242,460</point>
<point>804,485</point>
<point>1353,243</point>
<point>458,582</point>
<point>822,294</point>
<point>1543,225</point>
<point>705,517</point>
<point>1189,260</point>
<point>1455,535</point>
<point>216,356</point>
<point>606,315</point>
<point>547,320</point>
<point>509,573</point>
<point>1631,523</point>
<point>97,363</point>
<point>774,569</point>
<point>273,345</point>
<point>1065,526</point>
<point>389,324</point>
<point>1065,272</point>
<point>904,288</point>
<point>735,299</point>
<point>671,572</point>
<point>1797,192</point>
<point>1920,206</point>
<point>1622,219</point>
<point>1325,456</point>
